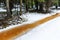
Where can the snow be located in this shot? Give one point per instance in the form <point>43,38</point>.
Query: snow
<point>54,7</point>
<point>56,11</point>
<point>47,31</point>
<point>2,10</point>
<point>32,17</point>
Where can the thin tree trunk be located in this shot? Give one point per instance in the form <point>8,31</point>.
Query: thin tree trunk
<point>56,6</point>
<point>26,5</point>
<point>36,4</point>
<point>31,3</point>
<point>20,7</point>
<point>8,9</point>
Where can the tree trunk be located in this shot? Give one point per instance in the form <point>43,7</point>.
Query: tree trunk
<point>41,7</point>
<point>31,3</point>
<point>26,5</point>
<point>8,9</point>
<point>48,4</point>
<point>20,7</point>
<point>56,6</point>
<point>36,4</point>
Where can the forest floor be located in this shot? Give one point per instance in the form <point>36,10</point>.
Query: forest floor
<point>12,33</point>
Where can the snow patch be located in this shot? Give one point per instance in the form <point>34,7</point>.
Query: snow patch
<point>47,31</point>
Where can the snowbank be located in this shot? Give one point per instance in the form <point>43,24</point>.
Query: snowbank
<point>47,31</point>
<point>32,17</point>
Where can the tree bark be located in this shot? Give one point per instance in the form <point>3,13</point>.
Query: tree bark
<point>20,7</point>
<point>32,3</point>
<point>26,1</point>
<point>48,4</point>
<point>41,7</point>
<point>36,4</point>
<point>8,9</point>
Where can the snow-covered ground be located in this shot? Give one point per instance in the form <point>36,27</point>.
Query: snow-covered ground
<point>2,10</point>
<point>55,11</point>
<point>47,31</point>
<point>31,17</point>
